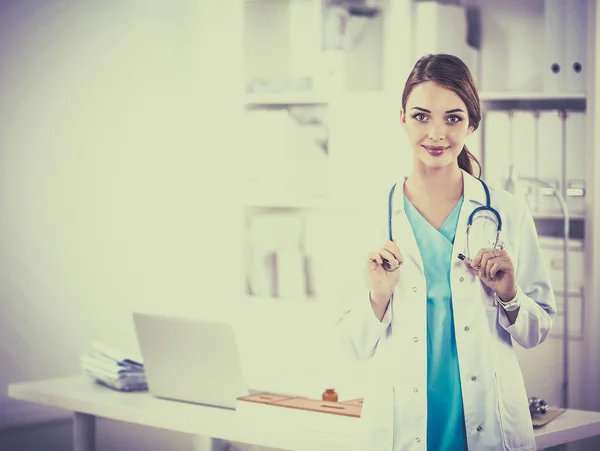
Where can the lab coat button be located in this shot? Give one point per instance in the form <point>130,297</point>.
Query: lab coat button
<point>416,339</point>
<point>415,390</point>
<point>462,279</point>
<point>418,439</point>
<point>466,328</point>
<point>479,428</point>
<point>473,378</point>
<point>415,289</point>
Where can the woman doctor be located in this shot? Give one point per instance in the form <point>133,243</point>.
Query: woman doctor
<point>438,332</point>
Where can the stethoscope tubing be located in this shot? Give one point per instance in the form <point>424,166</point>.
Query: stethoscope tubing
<point>487,207</point>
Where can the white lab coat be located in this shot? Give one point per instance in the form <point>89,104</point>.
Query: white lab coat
<point>494,398</point>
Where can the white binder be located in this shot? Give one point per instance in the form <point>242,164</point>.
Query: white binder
<point>524,152</point>
<point>496,148</point>
<point>554,71</point>
<point>575,33</point>
<point>550,164</point>
<point>575,148</point>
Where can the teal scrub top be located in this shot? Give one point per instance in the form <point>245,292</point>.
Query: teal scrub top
<point>445,419</point>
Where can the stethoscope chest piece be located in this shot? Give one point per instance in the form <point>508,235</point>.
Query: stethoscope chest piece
<point>389,267</point>
<point>537,406</point>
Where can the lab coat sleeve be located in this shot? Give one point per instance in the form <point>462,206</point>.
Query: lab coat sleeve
<point>360,329</point>
<point>538,306</point>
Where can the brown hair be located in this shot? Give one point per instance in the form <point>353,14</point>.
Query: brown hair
<point>452,73</point>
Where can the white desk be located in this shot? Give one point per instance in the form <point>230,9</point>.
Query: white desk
<point>89,400</point>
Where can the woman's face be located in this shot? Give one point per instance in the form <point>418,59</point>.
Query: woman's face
<point>436,123</point>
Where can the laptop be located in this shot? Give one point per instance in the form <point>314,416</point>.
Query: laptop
<point>190,360</point>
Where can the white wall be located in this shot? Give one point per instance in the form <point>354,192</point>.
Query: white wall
<point>118,125</point>
<point>273,53</point>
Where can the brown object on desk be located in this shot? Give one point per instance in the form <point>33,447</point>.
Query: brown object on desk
<point>349,408</point>
<point>540,420</point>
<point>335,408</point>
<point>330,395</point>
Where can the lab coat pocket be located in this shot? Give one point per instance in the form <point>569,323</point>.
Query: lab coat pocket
<point>474,288</point>
<point>515,419</point>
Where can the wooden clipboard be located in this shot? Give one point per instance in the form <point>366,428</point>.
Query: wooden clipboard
<point>540,420</point>
<point>350,408</point>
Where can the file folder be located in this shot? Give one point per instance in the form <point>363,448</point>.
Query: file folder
<point>524,151</point>
<point>550,162</point>
<point>496,148</point>
<point>575,33</point>
<point>554,46</point>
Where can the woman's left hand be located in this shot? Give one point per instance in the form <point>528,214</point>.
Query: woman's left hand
<point>496,270</point>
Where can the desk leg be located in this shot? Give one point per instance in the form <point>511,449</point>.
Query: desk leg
<point>84,432</point>
<point>203,443</point>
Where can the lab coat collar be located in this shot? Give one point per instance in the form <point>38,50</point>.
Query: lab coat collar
<point>472,190</point>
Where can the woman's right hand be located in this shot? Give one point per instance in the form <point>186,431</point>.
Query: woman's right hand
<point>382,282</point>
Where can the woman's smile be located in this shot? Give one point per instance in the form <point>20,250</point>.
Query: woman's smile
<point>436,151</point>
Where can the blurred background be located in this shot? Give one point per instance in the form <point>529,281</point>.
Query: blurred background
<point>201,157</point>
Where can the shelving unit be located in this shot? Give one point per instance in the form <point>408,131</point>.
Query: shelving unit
<point>288,203</point>
<point>267,100</point>
<point>285,305</point>
<point>503,27</point>
<point>506,100</point>
<point>309,97</point>
<point>309,204</point>
<point>501,100</point>
<point>487,96</point>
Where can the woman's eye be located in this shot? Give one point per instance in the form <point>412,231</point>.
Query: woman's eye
<point>454,119</point>
<point>420,117</point>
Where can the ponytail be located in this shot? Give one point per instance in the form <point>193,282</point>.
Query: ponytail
<point>465,162</point>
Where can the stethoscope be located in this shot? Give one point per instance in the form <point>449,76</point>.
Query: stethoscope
<point>487,207</point>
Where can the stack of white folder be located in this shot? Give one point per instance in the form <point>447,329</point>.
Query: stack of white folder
<point>112,368</point>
